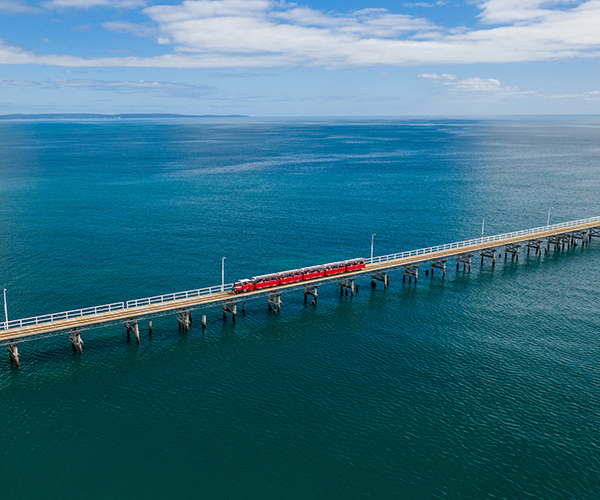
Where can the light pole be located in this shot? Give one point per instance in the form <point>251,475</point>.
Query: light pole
<point>549,210</point>
<point>5,311</point>
<point>372,237</point>
<point>223,274</point>
<point>482,227</point>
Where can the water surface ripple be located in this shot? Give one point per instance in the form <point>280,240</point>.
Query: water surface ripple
<point>480,385</point>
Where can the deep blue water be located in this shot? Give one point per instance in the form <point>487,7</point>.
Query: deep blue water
<point>482,385</point>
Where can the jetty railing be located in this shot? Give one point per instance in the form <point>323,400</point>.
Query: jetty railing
<point>159,299</point>
<point>478,241</point>
<point>75,313</point>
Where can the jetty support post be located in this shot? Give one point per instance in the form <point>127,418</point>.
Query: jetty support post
<point>313,291</point>
<point>184,317</point>
<point>535,245</point>
<point>513,250</point>
<point>204,321</point>
<point>274,302</point>
<point>380,276</point>
<point>347,284</point>
<point>439,264</point>
<point>411,271</point>
<point>13,352</point>
<point>465,260</point>
<point>76,340</point>
<point>490,253</point>
<point>594,232</point>
<point>132,326</point>
<point>558,241</point>
<point>231,308</point>
<point>579,235</point>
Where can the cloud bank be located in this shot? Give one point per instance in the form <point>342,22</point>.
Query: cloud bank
<point>250,34</point>
<point>154,88</point>
<point>480,86</point>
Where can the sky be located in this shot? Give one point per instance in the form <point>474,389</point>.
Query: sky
<point>267,58</point>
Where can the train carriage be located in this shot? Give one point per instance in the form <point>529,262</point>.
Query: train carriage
<point>265,281</point>
<point>309,273</point>
<point>290,276</point>
<point>355,264</point>
<point>335,268</point>
<point>297,275</point>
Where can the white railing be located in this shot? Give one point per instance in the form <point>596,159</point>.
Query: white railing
<point>478,241</point>
<point>159,299</point>
<point>76,313</point>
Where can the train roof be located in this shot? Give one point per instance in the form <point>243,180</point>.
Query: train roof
<point>265,276</point>
<point>317,266</point>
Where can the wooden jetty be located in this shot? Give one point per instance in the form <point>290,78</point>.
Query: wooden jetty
<point>182,304</point>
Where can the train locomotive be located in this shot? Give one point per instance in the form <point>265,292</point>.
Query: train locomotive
<point>298,275</point>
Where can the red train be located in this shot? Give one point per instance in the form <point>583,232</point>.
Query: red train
<point>307,273</point>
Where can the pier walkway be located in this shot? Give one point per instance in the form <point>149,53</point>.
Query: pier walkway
<point>183,303</point>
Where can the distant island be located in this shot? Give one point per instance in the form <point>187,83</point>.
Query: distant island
<point>93,116</point>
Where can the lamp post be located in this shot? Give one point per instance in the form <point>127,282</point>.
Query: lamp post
<point>372,237</point>
<point>482,227</point>
<point>549,210</point>
<point>223,274</point>
<point>5,311</point>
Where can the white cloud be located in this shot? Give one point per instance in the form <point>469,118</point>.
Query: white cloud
<point>264,33</point>
<point>298,35</point>
<point>424,4</point>
<point>482,85</point>
<point>128,27</point>
<point>479,86</point>
<point>137,87</point>
<point>81,28</point>
<point>434,76</point>
<point>592,94</point>
<point>511,11</point>
<point>19,83</point>
<point>162,89</point>
<point>87,4</point>
<point>18,7</point>
<point>272,32</point>
<point>241,75</point>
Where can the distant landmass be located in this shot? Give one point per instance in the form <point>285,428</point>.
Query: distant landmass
<point>94,116</point>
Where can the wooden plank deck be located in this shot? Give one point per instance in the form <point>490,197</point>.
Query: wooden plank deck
<point>122,315</point>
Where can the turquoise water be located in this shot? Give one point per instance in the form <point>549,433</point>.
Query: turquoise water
<point>480,385</point>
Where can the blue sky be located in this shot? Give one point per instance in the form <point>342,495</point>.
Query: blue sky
<point>311,58</point>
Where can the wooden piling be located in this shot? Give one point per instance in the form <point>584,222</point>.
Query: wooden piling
<point>132,326</point>
<point>13,352</point>
<point>311,290</point>
<point>76,341</point>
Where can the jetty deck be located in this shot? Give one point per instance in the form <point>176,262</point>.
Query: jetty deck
<point>183,303</point>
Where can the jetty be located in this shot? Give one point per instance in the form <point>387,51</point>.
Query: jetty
<point>129,314</point>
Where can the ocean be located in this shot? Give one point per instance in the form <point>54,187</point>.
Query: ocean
<point>480,385</point>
